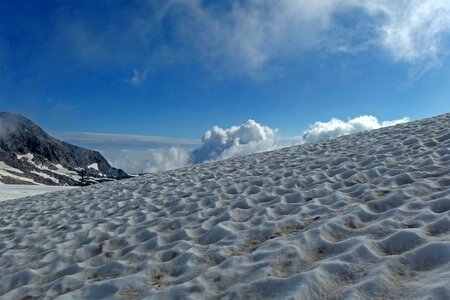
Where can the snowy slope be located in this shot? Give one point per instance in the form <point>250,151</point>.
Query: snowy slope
<point>361,216</point>
<point>13,191</point>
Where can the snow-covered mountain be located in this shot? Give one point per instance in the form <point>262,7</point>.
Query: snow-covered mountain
<point>28,155</point>
<point>364,216</point>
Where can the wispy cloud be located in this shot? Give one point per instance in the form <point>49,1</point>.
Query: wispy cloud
<point>138,77</point>
<point>413,30</point>
<point>255,38</point>
<point>8,125</point>
<point>251,37</point>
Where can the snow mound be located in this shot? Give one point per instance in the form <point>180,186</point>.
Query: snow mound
<point>361,216</point>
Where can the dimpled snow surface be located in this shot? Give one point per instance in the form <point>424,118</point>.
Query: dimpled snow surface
<point>357,217</point>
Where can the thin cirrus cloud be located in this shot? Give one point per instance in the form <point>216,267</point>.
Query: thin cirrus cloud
<point>136,153</point>
<point>142,154</point>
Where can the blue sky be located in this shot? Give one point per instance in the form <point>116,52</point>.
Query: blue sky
<point>177,68</point>
<point>69,65</point>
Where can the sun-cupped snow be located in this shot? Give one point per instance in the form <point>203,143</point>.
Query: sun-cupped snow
<point>357,217</point>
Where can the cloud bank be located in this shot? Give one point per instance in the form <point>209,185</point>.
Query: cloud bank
<point>320,131</point>
<point>149,154</point>
<point>144,154</point>
<point>136,153</point>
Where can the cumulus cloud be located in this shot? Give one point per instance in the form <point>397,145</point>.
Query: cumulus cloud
<point>320,131</point>
<point>247,138</point>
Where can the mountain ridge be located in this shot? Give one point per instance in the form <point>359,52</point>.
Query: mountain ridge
<point>33,156</point>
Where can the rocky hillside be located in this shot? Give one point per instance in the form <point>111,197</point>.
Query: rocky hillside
<point>28,155</point>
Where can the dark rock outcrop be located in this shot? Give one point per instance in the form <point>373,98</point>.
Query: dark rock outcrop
<point>19,136</point>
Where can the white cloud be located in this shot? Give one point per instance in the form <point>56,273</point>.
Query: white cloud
<point>138,77</point>
<point>247,138</point>
<point>148,161</point>
<point>251,36</point>
<point>395,122</point>
<point>413,30</point>
<point>320,131</point>
<point>255,37</point>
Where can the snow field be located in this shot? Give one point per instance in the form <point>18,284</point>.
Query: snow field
<point>14,191</point>
<point>361,216</point>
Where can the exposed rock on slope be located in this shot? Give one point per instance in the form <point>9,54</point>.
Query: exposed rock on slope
<point>29,155</point>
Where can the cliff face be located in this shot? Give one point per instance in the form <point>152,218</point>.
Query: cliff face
<point>28,154</point>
